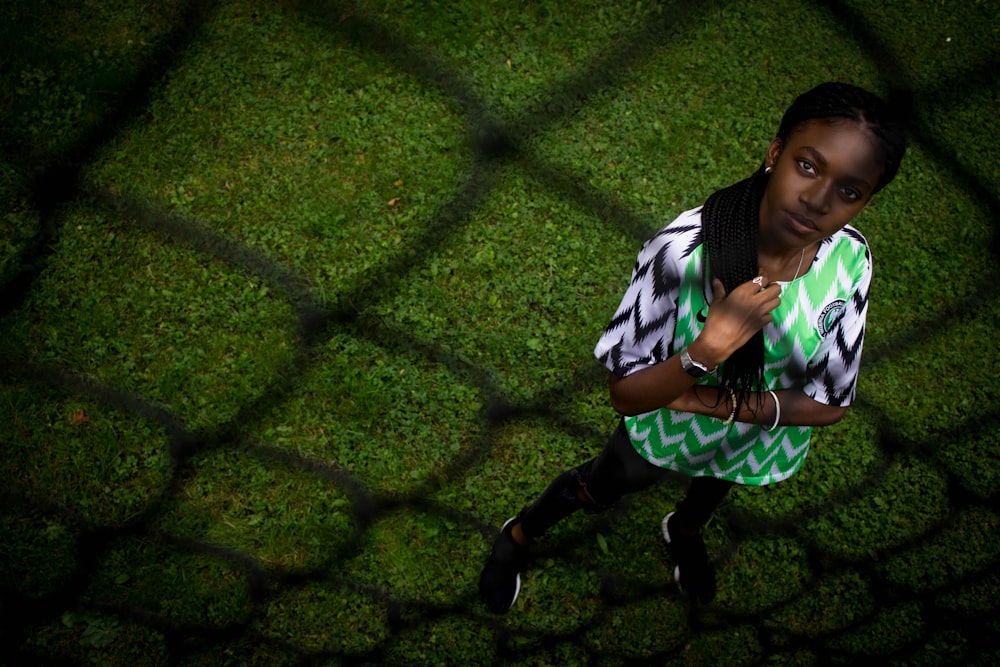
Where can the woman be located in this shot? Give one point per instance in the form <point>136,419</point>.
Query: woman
<point>741,330</point>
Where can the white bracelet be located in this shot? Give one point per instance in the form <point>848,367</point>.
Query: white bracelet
<point>777,411</point>
<point>732,413</point>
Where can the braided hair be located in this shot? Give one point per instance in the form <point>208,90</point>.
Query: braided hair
<point>731,216</point>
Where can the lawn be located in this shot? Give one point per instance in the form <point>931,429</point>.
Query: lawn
<point>298,303</point>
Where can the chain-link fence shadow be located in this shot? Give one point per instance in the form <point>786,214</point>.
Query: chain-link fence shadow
<point>499,143</point>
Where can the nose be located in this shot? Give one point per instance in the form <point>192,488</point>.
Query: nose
<point>816,196</point>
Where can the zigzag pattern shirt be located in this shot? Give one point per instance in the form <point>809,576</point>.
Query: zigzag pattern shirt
<point>814,344</point>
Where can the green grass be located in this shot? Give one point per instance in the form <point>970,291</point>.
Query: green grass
<point>300,302</point>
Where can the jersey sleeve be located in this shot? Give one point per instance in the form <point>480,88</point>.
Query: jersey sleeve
<point>832,376</point>
<point>642,329</point>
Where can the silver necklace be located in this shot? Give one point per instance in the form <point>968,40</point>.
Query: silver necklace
<point>797,268</point>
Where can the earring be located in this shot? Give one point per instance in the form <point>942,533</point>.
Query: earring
<point>768,170</point>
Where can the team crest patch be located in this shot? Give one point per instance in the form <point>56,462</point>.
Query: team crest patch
<point>829,316</point>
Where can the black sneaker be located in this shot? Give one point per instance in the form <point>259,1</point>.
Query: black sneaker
<point>694,572</point>
<point>500,580</point>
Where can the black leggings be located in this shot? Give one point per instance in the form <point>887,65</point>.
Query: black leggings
<point>618,470</point>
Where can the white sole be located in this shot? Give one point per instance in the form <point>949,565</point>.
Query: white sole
<point>666,538</point>
<point>663,527</point>
<point>517,591</point>
<point>517,587</point>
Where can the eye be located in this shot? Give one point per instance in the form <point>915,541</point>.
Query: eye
<point>850,194</point>
<point>806,166</point>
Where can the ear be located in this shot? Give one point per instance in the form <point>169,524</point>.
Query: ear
<point>773,152</point>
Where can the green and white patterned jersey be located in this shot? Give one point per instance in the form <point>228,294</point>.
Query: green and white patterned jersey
<point>813,344</point>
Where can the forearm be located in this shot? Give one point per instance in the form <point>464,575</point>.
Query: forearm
<point>797,409</point>
<point>656,386</point>
<point>650,388</point>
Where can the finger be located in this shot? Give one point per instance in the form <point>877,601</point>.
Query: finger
<point>773,290</point>
<point>771,297</point>
<point>761,281</point>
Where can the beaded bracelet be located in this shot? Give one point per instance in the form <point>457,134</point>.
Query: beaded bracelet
<point>777,411</point>
<point>732,414</point>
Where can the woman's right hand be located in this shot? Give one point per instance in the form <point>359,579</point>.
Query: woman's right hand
<point>734,318</point>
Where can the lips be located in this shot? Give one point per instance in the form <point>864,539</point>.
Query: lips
<point>801,223</point>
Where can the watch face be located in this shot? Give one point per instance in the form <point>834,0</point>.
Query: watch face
<point>692,367</point>
<point>696,371</point>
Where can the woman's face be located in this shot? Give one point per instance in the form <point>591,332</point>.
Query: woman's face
<point>823,175</point>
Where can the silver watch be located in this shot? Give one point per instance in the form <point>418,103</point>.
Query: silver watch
<point>692,367</point>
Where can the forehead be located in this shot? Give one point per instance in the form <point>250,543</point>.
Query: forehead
<point>844,145</point>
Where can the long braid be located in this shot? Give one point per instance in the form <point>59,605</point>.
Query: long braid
<point>730,221</point>
<point>731,216</point>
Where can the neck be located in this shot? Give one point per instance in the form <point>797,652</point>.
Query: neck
<point>784,264</point>
<point>778,255</point>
